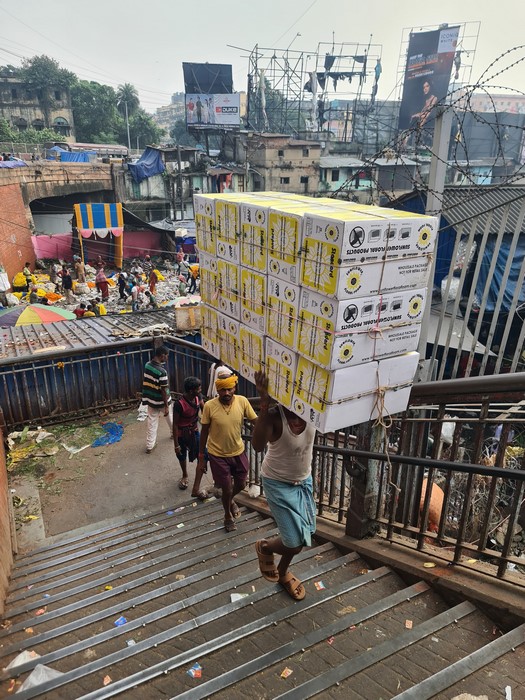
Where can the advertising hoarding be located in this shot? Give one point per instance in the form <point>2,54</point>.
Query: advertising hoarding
<point>430,57</point>
<point>212,110</point>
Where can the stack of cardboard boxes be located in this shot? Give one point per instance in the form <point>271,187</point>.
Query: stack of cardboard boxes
<point>326,296</point>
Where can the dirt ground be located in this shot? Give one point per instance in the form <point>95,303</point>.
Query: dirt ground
<point>65,491</point>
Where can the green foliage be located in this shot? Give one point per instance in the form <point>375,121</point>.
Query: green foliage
<point>95,112</point>
<point>10,135</point>
<point>44,72</point>
<point>127,96</point>
<point>180,134</point>
<point>142,130</point>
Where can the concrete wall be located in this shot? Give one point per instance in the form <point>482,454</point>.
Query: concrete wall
<point>6,554</point>
<point>20,186</point>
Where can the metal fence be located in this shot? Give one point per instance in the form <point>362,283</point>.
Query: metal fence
<point>477,321</point>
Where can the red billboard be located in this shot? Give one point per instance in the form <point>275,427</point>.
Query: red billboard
<point>430,57</point>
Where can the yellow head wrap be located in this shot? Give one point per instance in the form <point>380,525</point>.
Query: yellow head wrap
<point>226,383</point>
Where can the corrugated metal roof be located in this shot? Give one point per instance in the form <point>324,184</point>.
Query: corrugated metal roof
<point>463,203</point>
<point>340,162</point>
<point>23,342</point>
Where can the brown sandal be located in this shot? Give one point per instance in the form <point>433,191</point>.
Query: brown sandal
<point>266,564</point>
<point>292,586</point>
<point>235,510</point>
<point>201,495</point>
<point>229,525</point>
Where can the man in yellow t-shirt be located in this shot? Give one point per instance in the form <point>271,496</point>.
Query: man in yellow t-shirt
<point>222,420</point>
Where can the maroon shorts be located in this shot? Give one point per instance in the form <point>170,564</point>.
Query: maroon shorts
<point>224,468</point>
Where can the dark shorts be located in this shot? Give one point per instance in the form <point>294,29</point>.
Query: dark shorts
<point>189,446</point>
<point>224,468</point>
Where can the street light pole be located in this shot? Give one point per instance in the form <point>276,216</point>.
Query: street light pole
<point>127,126</point>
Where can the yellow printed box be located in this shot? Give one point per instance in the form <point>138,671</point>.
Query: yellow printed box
<point>228,284</point>
<point>253,299</point>
<point>281,365</point>
<point>282,312</point>
<point>252,346</point>
<point>254,234</point>
<point>210,331</point>
<point>229,331</point>
<point>322,273</point>
<point>371,233</point>
<point>346,397</point>
<point>285,225</point>
<point>338,334</point>
<point>208,278</point>
<point>204,208</point>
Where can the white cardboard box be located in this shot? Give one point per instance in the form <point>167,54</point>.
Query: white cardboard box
<point>322,273</point>
<point>252,349</point>
<point>282,303</point>
<point>229,333</point>
<point>281,366</point>
<point>210,331</point>
<point>254,234</point>
<point>228,284</point>
<point>209,286</point>
<point>335,400</point>
<point>253,299</point>
<point>362,232</point>
<point>338,334</point>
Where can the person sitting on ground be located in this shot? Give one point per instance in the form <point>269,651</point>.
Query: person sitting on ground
<point>89,312</point>
<point>98,307</point>
<point>152,300</point>
<point>185,426</point>
<point>287,482</point>
<point>28,275</point>
<point>33,296</point>
<point>80,311</point>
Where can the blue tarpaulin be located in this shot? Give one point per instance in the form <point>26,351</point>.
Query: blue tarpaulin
<point>79,157</point>
<point>149,164</point>
<point>12,163</point>
<point>494,287</point>
<point>113,433</point>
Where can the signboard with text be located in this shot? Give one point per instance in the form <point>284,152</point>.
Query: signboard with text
<point>212,110</point>
<point>430,57</point>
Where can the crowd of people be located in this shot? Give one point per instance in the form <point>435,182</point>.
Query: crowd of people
<point>286,468</point>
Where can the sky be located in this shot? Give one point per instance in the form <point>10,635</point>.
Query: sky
<point>145,43</point>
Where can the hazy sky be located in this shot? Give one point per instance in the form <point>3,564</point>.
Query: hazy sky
<point>145,42</point>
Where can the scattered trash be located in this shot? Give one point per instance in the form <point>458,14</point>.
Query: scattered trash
<point>170,512</point>
<point>28,630</point>
<point>107,680</point>
<point>409,624</point>
<point>178,510</point>
<point>29,587</point>
<point>11,685</point>
<point>41,611</point>
<point>254,491</point>
<point>121,621</point>
<point>352,627</point>
<point>286,672</point>
<point>114,433</point>
<point>234,597</point>
<point>471,561</point>
<point>180,525</point>
<point>435,639</point>
<point>23,658</point>
<point>46,595</point>
<point>508,692</point>
<point>319,585</point>
<point>40,674</point>
<point>74,450</point>
<point>179,577</point>
<point>234,555</point>
<point>364,571</point>
<point>330,640</point>
<point>429,565</point>
<point>142,412</point>
<point>345,611</point>
<point>108,588</point>
<point>195,671</point>
<point>130,642</point>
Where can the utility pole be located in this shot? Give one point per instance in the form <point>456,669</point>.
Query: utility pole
<point>127,126</point>
<point>436,187</point>
<point>179,161</point>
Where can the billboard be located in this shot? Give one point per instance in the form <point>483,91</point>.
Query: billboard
<point>207,78</point>
<point>430,57</point>
<point>212,110</point>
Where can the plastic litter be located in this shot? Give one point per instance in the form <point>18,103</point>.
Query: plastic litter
<point>319,585</point>
<point>180,525</point>
<point>108,588</point>
<point>195,671</point>
<point>41,611</point>
<point>107,680</point>
<point>286,672</point>
<point>142,412</point>
<point>130,642</point>
<point>23,658</point>
<point>40,674</point>
<point>429,565</point>
<point>121,621</point>
<point>73,450</point>
<point>234,597</point>
<point>114,432</point>
<point>409,624</point>
<point>508,692</point>
<point>234,555</point>
<point>330,640</point>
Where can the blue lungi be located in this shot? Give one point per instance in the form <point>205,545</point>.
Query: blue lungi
<point>293,509</point>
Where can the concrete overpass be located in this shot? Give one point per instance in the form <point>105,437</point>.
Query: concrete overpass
<point>40,180</point>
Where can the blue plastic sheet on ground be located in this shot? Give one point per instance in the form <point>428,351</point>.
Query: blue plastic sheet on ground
<point>114,432</point>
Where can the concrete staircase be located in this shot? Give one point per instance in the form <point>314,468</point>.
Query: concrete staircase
<point>129,609</point>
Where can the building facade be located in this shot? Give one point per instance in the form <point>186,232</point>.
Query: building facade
<point>25,107</point>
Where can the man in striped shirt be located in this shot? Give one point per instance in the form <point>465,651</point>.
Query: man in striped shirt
<point>156,395</point>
